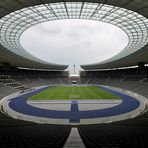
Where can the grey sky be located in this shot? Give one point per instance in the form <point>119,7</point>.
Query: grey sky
<point>74,41</point>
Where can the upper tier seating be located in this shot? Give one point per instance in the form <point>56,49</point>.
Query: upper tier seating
<point>21,79</point>
<point>133,79</point>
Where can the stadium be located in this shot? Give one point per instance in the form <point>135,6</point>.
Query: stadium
<point>43,105</point>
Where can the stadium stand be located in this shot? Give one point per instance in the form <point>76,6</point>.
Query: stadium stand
<point>134,79</point>
<point>114,135</point>
<point>131,132</point>
<point>129,15</point>
<point>21,134</point>
<point>16,133</point>
<point>22,79</point>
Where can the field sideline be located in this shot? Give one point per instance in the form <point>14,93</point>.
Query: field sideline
<point>74,93</point>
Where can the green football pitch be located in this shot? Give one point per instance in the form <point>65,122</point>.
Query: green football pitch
<point>73,93</point>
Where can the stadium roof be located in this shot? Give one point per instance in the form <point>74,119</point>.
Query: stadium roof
<point>18,15</point>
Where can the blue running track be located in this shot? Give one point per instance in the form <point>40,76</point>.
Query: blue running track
<point>74,112</point>
<point>19,104</point>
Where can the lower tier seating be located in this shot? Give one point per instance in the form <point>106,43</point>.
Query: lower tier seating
<point>21,134</point>
<point>114,136</point>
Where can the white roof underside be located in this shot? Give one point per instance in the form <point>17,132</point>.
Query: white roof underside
<point>17,16</point>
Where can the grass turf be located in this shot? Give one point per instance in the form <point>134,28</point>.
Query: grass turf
<point>73,93</point>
